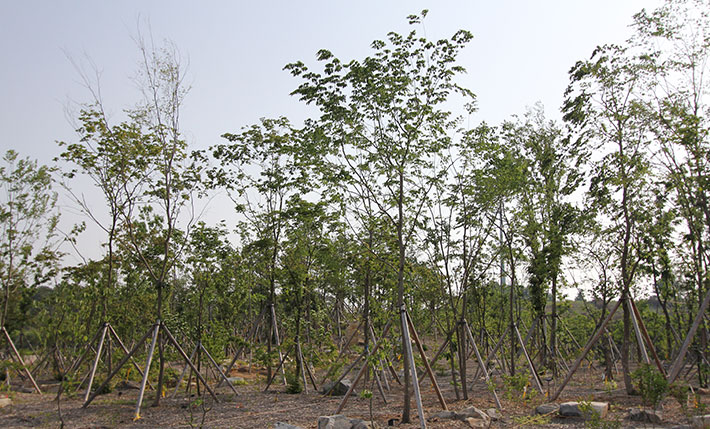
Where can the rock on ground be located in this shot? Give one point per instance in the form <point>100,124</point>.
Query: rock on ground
<point>338,389</point>
<point>494,414</point>
<point>701,422</point>
<point>572,409</point>
<point>471,415</point>
<point>4,402</point>
<point>547,409</point>
<point>282,425</point>
<point>339,421</point>
<point>646,416</point>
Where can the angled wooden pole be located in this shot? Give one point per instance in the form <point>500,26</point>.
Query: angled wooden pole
<point>679,360</point>
<point>436,357</point>
<point>251,335</point>
<point>345,373</point>
<point>182,374</point>
<point>533,371</point>
<point>361,372</point>
<point>125,351</point>
<point>412,366</point>
<point>480,364</point>
<point>141,392</point>
<point>387,359</point>
<point>186,359</point>
<point>96,361</point>
<point>379,385</point>
<point>118,368</point>
<point>281,364</point>
<point>647,337</point>
<point>278,340</point>
<point>75,365</point>
<point>639,338</point>
<point>218,369</point>
<point>586,350</point>
<point>493,352</point>
<point>426,362</point>
<point>20,361</point>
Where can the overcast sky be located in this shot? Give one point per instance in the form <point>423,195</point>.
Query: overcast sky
<point>520,54</point>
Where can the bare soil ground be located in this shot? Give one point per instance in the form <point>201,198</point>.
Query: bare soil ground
<point>253,408</point>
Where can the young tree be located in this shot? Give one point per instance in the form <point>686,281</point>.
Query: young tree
<point>603,102</point>
<point>553,166</point>
<point>262,167</point>
<point>148,178</point>
<point>674,42</point>
<point>28,227</point>
<point>385,115</point>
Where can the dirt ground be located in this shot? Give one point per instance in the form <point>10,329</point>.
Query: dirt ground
<point>253,408</point>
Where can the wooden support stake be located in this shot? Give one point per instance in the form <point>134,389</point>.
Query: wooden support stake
<point>387,359</point>
<point>251,335</point>
<point>533,371</point>
<point>587,348</point>
<point>137,414</point>
<point>412,367</point>
<point>182,374</point>
<point>426,362</point>
<point>281,364</point>
<point>96,361</point>
<point>189,362</point>
<point>118,368</point>
<point>678,363</point>
<point>437,355</point>
<point>480,364</point>
<point>493,352</point>
<point>340,353</point>
<point>20,361</point>
<point>125,351</point>
<point>647,338</point>
<point>278,340</point>
<point>361,372</point>
<point>639,338</point>
<point>379,385</point>
<point>219,371</point>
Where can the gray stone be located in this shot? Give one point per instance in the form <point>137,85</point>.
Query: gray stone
<point>337,421</point>
<point>701,422</point>
<point>443,415</point>
<point>547,409</point>
<point>471,413</point>
<point>477,423</point>
<point>494,414</point>
<point>571,409</point>
<point>282,425</point>
<point>646,416</point>
<point>336,389</point>
<point>360,424</point>
<point>4,402</point>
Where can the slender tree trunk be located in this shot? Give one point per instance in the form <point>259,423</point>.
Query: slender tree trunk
<point>406,411</point>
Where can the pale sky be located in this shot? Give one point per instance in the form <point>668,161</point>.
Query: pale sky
<point>520,55</point>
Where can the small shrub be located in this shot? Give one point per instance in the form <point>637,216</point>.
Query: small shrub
<point>534,420</point>
<point>293,383</point>
<point>515,384</point>
<point>652,385</point>
<point>594,420</point>
<point>680,391</point>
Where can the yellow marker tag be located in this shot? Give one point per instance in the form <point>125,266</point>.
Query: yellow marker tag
<point>137,417</point>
